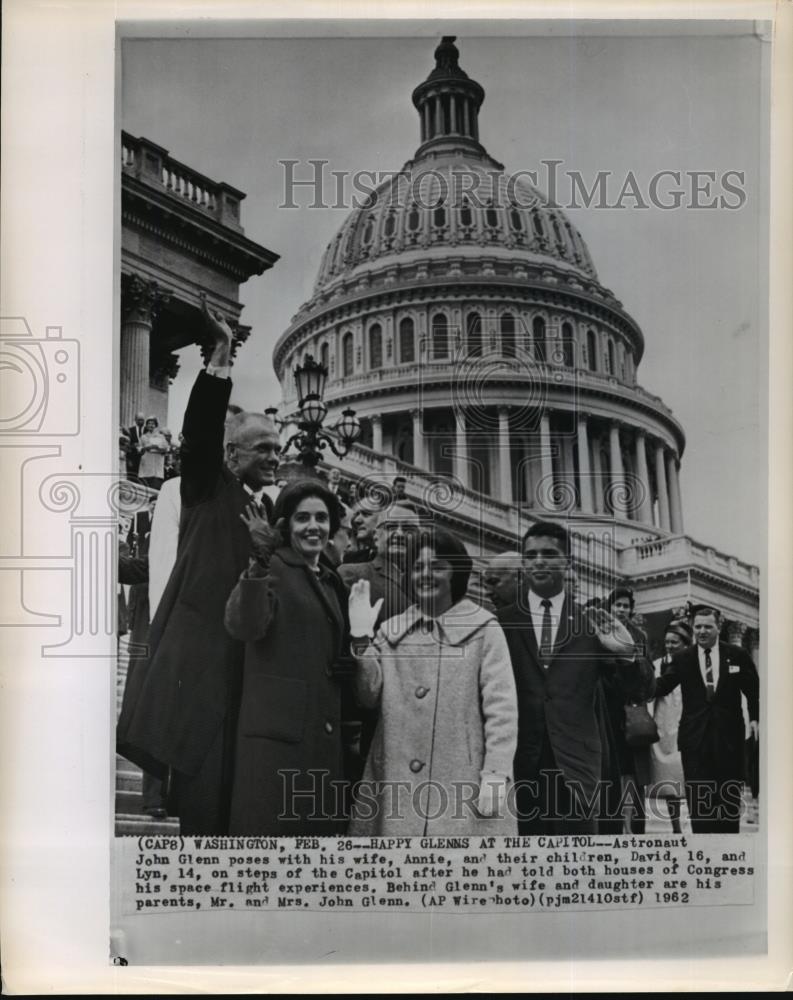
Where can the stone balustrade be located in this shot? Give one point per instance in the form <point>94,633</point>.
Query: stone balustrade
<point>680,551</point>
<point>453,369</point>
<point>595,541</point>
<point>153,165</point>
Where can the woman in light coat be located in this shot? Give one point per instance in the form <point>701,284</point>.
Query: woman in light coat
<point>154,446</point>
<point>441,759</point>
<point>666,767</point>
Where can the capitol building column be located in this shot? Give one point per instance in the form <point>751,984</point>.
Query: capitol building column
<point>597,475</point>
<point>644,509</point>
<point>584,471</point>
<point>418,439</point>
<point>675,505</point>
<point>461,448</point>
<point>504,456</point>
<point>138,298</point>
<point>663,496</point>
<point>545,492</point>
<point>616,472</point>
<point>377,432</point>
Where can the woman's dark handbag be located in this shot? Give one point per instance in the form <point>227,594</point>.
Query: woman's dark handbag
<point>640,727</point>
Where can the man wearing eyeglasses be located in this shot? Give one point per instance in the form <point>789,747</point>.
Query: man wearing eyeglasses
<point>395,534</point>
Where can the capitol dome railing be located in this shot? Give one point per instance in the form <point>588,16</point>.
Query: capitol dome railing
<point>455,369</point>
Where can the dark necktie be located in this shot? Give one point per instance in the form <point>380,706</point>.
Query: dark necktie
<point>710,687</point>
<point>546,633</point>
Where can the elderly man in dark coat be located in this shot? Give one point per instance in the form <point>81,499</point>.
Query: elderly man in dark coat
<point>179,718</point>
<point>395,534</point>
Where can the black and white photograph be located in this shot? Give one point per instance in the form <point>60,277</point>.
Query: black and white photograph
<point>425,550</point>
<point>433,531</point>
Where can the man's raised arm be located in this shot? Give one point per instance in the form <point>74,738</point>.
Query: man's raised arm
<point>205,417</point>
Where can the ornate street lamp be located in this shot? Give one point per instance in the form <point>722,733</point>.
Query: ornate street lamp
<point>311,438</point>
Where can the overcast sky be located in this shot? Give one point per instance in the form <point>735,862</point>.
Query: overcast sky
<point>613,100</point>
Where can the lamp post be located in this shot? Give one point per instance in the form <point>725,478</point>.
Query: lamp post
<point>311,438</point>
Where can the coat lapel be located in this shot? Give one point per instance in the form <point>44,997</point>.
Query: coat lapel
<point>566,629</point>
<point>292,559</point>
<point>724,668</point>
<point>696,671</point>
<point>525,626</point>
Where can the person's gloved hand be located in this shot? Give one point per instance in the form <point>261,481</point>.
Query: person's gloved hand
<point>265,539</point>
<point>362,613</point>
<point>492,795</point>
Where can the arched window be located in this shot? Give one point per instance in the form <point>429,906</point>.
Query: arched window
<point>491,216</point>
<point>466,219</point>
<point>414,219</point>
<point>346,354</point>
<point>440,336</point>
<point>515,220</point>
<point>407,344</point>
<point>439,215</point>
<point>375,346</point>
<point>473,335</point>
<point>324,355</point>
<point>538,337</point>
<point>508,335</point>
<point>390,225</point>
<point>536,221</point>
<point>568,346</point>
<point>591,350</point>
<point>610,349</point>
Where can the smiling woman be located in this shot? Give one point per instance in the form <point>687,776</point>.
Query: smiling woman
<point>290,608</point>
<point>441,758</point>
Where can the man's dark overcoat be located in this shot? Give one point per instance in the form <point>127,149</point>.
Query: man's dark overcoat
<point>180,714</point>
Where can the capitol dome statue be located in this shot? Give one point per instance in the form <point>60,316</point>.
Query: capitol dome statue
<point>459,313</point>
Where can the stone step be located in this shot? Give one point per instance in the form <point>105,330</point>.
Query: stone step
<point>132,825</point>
<point>129,781</point>
<point>129,802</point>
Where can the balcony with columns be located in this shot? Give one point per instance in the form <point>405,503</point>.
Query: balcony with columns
<point>668,572</point>
<point>181,236</point>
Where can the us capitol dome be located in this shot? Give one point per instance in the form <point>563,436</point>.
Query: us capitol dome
<point>459,313</point>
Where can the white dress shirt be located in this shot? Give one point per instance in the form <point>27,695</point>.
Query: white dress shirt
<point>714,664</point>
<point>163,540</point>
<point>537,612</point>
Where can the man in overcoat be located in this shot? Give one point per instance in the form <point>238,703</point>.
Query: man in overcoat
<point>712,676</point>
<point>559,655</point>
<point>179,719</point>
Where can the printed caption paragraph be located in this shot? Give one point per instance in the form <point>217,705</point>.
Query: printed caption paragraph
<point>455,875</point>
